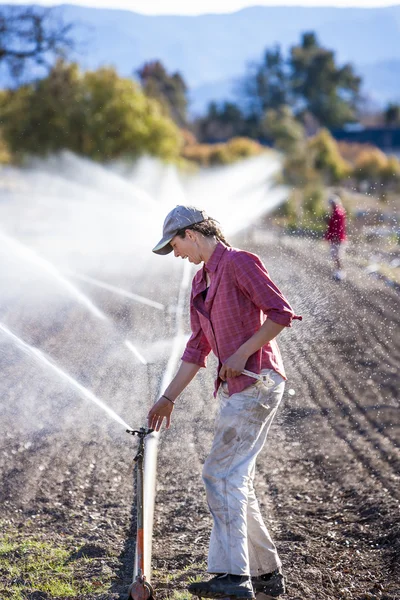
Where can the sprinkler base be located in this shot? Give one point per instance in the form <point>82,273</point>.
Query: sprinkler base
<point>140,590</point>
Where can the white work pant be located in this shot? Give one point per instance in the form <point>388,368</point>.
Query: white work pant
<point>240,543</point>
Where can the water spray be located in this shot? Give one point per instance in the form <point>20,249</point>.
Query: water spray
<point>140,588</point>
<point>42,263</point>
<point>118,290</point>
<point>45,361</point>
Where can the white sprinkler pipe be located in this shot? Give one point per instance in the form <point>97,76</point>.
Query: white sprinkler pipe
<point>151,441</point>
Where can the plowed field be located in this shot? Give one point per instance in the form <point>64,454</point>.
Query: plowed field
<point>327,481</point>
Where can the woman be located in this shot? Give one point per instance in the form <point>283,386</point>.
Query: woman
<point>236,311</point>
<point>336,235</point>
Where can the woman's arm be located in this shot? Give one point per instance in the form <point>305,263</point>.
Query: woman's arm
<point>163,408</point>
<point>235,364</point>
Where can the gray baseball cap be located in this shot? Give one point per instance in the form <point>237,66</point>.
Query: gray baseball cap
<point>179,218</point>
<point>334,199</point>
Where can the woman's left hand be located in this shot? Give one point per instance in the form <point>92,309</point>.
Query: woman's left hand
<point>233,366</point>
<point>161,410</point>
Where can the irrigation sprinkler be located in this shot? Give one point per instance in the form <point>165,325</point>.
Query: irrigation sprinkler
<point>140,588</point>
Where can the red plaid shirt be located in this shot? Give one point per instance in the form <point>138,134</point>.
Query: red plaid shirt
<point>240,297</point>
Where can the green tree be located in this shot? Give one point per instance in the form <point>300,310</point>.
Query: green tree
<point>392,115</point>
<point>96,114</point>
<point>283,128</point>
<point>323,151</point>
<point>318,85</point>
<point>298,169</point>
<point>309,165</point>
<point>308,79</point>
<point>267,84</point>
<point>221,122</point>
<point>170,90</point>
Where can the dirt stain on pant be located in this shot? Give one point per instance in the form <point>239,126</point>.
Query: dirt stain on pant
<point>229,435</point>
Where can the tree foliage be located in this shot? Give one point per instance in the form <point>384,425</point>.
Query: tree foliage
<point>327,91</point>
<point>392,115</point>
<point>96,114</point>
<point>267,86</point>
<point>308,79</point>
<point>31,35</point>
<point>222,122</point>
<point>324,154</point>
<point>281,126</point>
<point>316,161</point>
<point>170,90</point>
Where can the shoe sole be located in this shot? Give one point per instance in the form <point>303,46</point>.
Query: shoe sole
<point>260,595</point>
<point>263,593</point>
<point>221,596</point>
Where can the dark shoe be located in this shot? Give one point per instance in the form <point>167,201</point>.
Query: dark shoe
<point>223,586</point>
<point>270,584</point>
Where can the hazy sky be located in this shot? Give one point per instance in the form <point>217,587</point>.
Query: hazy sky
<point>193,7</point>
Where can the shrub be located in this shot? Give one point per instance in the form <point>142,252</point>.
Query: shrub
<point>298,169</point>
<point>369,165</point>
<point>241,147</point>
<point>326,158</point>
<point>350,151</point>
<point>390,173</point>
<point>283,128</point>
<point>220,155</point>
<point>313,202</point>
<point>198,153</point>
<point>5,154</point>
<point>288,210</point>
<point>235,149</point>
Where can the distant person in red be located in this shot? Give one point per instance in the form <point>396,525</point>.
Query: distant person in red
<point>336,235</point>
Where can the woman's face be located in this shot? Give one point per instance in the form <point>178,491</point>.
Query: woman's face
<point>187,247</point>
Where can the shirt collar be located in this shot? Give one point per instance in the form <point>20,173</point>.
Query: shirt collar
<point>213,262</point>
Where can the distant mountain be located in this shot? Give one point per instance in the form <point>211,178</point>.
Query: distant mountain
<point>212,51</point>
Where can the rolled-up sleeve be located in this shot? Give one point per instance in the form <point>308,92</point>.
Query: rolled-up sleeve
<point>197,348</point>
<point>253,280</point>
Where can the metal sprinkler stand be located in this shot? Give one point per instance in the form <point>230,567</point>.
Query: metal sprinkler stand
<point>140,589</point>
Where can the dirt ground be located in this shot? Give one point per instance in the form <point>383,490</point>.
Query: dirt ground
<point>327,481</point>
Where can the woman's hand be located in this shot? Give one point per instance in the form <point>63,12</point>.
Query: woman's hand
<point>161,410</point>
<point>233,366</point>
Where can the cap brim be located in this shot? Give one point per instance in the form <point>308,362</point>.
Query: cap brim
<point>163,246</point>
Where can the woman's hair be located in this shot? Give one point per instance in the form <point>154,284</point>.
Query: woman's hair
<point>208,228</point>
<point>335,200</point>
